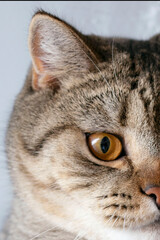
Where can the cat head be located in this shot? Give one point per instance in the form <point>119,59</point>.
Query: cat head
<point>80,89</point>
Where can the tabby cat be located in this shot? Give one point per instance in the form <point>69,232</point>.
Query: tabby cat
<point>83,139</point>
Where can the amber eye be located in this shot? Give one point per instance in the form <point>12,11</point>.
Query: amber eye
<point>104,146</point>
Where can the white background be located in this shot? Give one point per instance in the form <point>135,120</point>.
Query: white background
<point>138,20</point>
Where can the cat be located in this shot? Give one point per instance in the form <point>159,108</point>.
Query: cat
<point>83,138</point>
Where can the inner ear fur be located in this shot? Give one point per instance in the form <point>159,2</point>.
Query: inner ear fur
<point>57,50</point>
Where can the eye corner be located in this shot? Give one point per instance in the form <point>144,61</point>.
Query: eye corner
<point>87,134</point>
<point>122,154</point>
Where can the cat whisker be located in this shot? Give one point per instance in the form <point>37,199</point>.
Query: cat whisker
<point>40,234</point>
<point>115,221</point>
<point>102,197</point>
<point>79,236</point>
<point>124,222</point>
<point>76,238</point>
<point>130,225</point>
<point>112,216</point>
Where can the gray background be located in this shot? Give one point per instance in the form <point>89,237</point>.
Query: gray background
<point>138,20</point>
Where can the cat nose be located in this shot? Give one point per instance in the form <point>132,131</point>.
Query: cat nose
<point>154,191</point>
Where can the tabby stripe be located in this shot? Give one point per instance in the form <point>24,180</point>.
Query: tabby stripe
<point>124,113</point>
<point>80,187</point>
<point>34,151</point>
<point>94,84</point>
<point>53,208</point>
<point>34,181</point>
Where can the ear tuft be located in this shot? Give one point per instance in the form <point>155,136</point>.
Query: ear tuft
<point>57,50</point>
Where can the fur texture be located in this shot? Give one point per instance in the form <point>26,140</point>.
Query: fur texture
<point>84,84</point>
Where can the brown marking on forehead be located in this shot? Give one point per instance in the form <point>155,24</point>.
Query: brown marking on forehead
<point>146,101</point>
<point>123,114</point>
<point>134,85</point>
<point>94,83</point>
<point>147,96</point>
<point>142,91</point>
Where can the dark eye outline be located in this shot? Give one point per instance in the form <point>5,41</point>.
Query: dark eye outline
<point>122,154</point>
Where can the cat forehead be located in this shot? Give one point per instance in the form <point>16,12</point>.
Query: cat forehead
<point>117,94</point>
<point>134,57</point>
<point>129,63</point>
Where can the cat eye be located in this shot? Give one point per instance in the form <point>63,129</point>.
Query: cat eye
<point>104,146</point>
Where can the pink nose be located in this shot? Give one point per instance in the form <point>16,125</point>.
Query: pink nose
<point>155,192</point>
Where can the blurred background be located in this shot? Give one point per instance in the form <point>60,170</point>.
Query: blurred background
<point>136,19</point>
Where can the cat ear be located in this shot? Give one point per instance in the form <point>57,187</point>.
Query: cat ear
<point>57,50</point>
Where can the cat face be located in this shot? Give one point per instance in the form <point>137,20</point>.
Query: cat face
<point>78,86</point>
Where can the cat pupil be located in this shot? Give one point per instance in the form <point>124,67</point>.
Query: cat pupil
<point>105,144</point>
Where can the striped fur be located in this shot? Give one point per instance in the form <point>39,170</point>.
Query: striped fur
<point>57,181</point>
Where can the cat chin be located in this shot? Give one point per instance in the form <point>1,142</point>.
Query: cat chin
<point>149,232</point>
